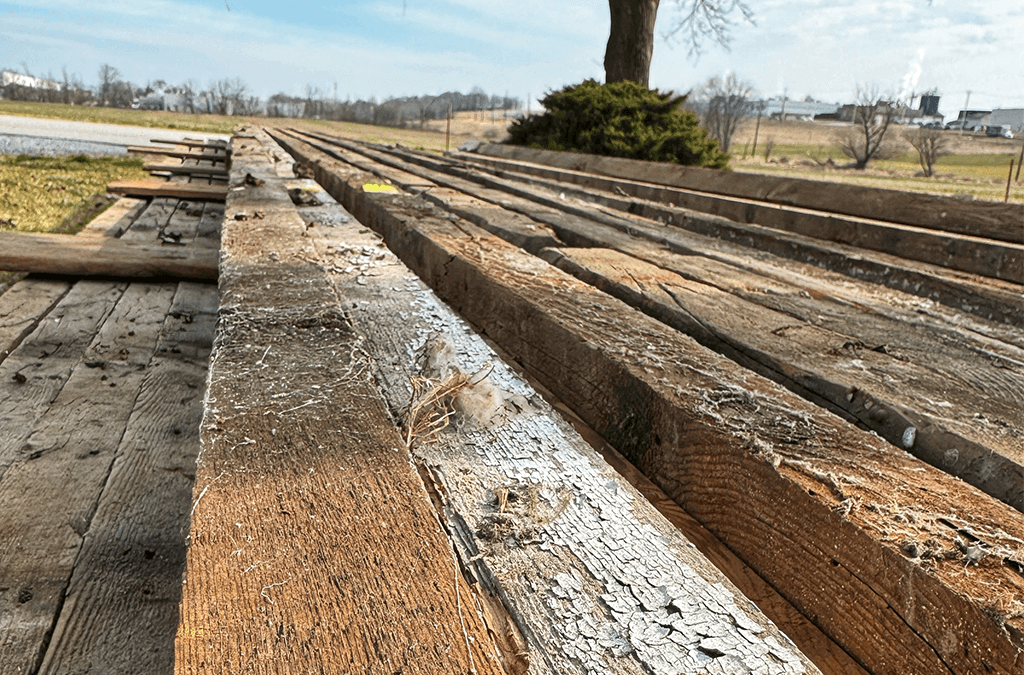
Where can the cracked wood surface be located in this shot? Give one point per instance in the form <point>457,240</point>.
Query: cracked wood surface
<point>571,568</point>
<point>857,534</point>
<point>991,220</point>
<point>823,652</point>
<point>959,393</point>
<point>924,410</point>
<point>313,545</point>
<point>21,309</point>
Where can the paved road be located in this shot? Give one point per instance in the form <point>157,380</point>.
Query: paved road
<point>37,136</point>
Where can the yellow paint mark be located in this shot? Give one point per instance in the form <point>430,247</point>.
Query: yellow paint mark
<point>377,187</point>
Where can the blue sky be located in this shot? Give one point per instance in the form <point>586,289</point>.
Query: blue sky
<point>393,48</point>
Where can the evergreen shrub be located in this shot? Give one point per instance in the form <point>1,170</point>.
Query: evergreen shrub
<point>620,119</point>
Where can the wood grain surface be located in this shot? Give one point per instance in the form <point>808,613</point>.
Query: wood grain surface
<point>162,188</point>
<point>103,257</point>
<point>572,570</point>
<point>816,506</point>
<point>64,462</point>
<point>991,220</point>
<point>120,609</point>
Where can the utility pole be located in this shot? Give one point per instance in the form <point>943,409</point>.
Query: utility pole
<point>966,104</point>
<point>448,130</point>
<point>753,150</point>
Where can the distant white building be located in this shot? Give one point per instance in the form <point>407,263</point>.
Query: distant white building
<point>166,99</point>
<point>8,77</point>
<point>776,108</point>
<point>1007,117</point>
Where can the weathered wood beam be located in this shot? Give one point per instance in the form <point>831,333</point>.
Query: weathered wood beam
<point>312,544</point>
<point>68,445</point>
<point>185,169</point>
<point>570,569</point>
<point>990,220</point>
<point>853,531</point>
<point>103,257</point>
<point>985,257</point>
<point>163,188</point>
<point>711,235</point>
<point>215,145</point>
<point>837,370</point>
<point>183,154</point>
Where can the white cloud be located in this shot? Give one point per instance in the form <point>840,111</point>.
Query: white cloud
<point>826,47</point>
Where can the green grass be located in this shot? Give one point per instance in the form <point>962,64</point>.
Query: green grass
<point>982,176</point>
<point>157,119</point>
<point>38,194</point>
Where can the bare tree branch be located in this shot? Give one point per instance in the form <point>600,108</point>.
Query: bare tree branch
<point>720,103</point>
<point>707,20</point>
<point>872,117</point>
<point>930,145</point>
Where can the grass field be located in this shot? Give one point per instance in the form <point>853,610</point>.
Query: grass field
<point>40,194</point>
<point>978,166</point>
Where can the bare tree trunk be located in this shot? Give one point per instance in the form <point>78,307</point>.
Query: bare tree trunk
<point>631,42</point>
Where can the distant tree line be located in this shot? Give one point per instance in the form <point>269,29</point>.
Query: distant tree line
<point>231,96</point>
<point>392,111</point>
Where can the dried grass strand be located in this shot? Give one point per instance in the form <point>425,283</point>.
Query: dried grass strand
<point>432,406</point>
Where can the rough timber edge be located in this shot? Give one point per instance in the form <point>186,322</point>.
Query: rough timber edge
<point>992,220</point>
<point>421,250</point>
<point>581,546</point>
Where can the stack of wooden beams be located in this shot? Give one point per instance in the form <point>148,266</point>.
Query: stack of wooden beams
<point>907,568</point>
<point>199,176</point>
<point>379,492</point>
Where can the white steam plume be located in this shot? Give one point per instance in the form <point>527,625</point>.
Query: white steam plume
<point>910,79</point>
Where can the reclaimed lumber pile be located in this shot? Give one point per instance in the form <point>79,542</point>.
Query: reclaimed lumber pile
<point>990,220</point>
<point>906,568</point>
<point>101,392</point>
<point>378,492</point>
<point>674,227</point>
<point>989,256</point>
<point>880,367</point>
